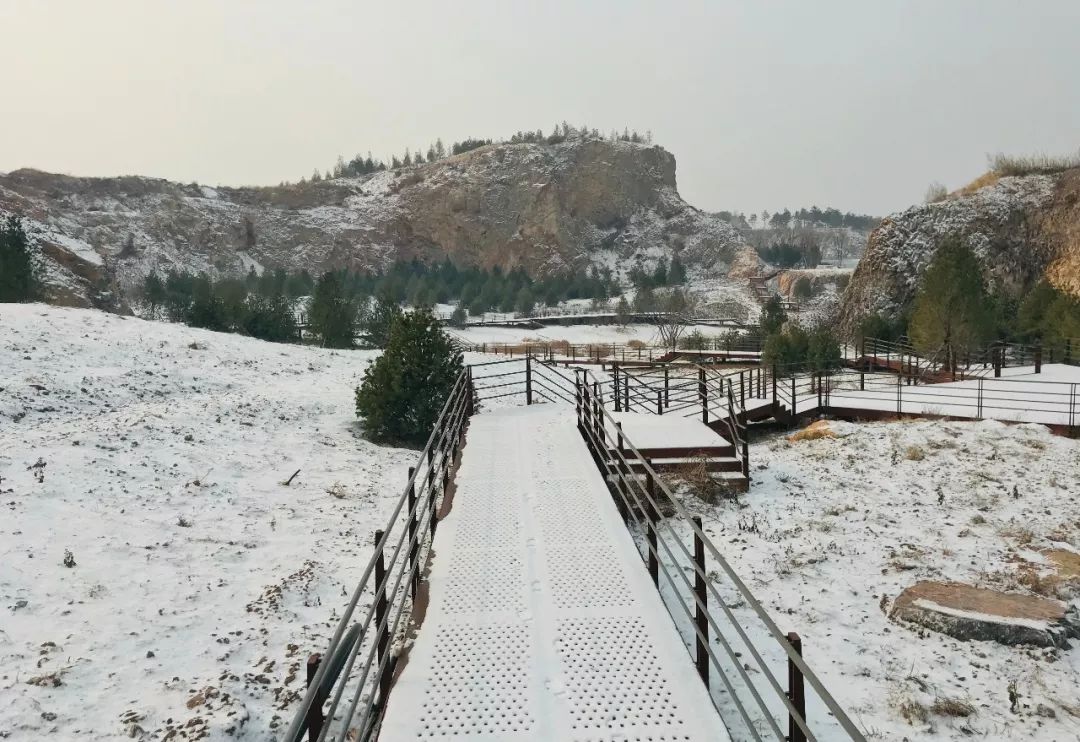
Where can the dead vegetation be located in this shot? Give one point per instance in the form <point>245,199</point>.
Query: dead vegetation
<point>702,482</point>
<point>1039,164</point>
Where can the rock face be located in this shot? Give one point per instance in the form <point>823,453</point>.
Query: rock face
<point>965,612</point>
<point>543,207</point>
<point>1021,228</point>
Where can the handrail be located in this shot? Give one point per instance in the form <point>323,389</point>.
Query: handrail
<point>412,540</point>
<point>596,425</point>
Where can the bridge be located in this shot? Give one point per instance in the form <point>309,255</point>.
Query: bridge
<point>538,580</point>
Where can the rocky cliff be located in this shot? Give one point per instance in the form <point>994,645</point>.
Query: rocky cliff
<point>543,207</point>
<point>1021,228</point>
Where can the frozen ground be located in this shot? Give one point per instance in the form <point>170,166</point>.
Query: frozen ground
<point>154,456</point>
<point>833,529</point>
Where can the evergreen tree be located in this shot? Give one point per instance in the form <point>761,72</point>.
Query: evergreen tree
<point>525,301</point>
<point>622,311</point>
<point>676,273</point>
<point>382,319</point>
<point>952,313</point>
<point>332,315</point>
<point>153,294</point>
<point>406,387</point>
<point>17,276</point>
<point>459,317</point>
<point>269,318</point>
<point>773,316</point>
<point>645,300</point>
<point>660,275</point>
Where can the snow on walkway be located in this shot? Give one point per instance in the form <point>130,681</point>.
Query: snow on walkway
<point>543,623</point>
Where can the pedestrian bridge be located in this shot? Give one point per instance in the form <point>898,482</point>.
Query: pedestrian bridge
<point>542,623</point>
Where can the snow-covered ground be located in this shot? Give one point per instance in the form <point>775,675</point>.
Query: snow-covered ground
<point>151,458</point>
<point>833,529</point>
<point>573,334</point>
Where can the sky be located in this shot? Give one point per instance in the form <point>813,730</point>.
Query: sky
<point>858,105</point>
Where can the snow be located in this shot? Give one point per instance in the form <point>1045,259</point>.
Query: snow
<point>549,628</point>
<point>200,582</point>
<point>573,334</point>
<point>832,530</point>
<point>208,192</point>
<point>666,431</point>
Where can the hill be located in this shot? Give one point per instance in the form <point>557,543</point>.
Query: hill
<point>1022,228</point>
<point>545,207</point>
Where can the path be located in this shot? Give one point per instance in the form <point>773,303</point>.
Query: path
<point>543,623</point>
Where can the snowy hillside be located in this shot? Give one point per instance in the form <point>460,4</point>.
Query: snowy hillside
<point>833,529</point>
<point>154,456</point>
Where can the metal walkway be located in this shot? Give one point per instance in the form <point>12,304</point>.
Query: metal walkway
<point>543,623</point>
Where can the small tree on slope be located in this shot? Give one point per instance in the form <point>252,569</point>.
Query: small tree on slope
<point>332,314</point>
<point>406,387</point>
<point>16,266</point>
<point>953,314</point>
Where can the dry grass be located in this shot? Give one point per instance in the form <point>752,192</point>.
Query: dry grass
<point>951,707</point>
<point>912,711</point>
<point>703,484</point>
<point>635,344</point>
<point>1040,164</point>
<point>914,453</point>
<point>984,180</point>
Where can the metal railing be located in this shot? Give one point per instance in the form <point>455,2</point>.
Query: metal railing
<point>364,649</point>
<point>751,700</point>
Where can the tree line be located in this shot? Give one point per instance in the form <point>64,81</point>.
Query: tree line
<point>437,150</point>
<point>800,219</point>
<point>955,314</point>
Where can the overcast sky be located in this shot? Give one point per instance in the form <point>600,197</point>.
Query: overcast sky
<point>857,105</point>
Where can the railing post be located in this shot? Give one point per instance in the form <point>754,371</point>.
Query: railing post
<point>703,392</point>
<point>382,627</point>
<point>1038,359</point>
<point>796,691</point>
<point>742,389</point>
<point>615,385</point>
<point>528,380</point>
<point>774,386</point>
<point>667,395</point>
<point>979,400</point>
<point>793,404</point>
<point>626,392</point>
<point>1068,350</point>
<point>315,717</point>
<point>701,615</point>
<point>619,437</point>
<point>652,517</point>
<point>819,390</point>
<point>659,402</point>
<point>998,360</point>
<point>414,543</point>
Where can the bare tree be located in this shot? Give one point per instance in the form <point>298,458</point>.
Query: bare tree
<point>675,314</point>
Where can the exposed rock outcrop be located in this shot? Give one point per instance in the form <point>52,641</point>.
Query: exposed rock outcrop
<point>543,207</point>
<point>1021,228</point>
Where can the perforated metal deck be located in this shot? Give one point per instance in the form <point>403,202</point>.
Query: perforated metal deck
<point>542,623</point>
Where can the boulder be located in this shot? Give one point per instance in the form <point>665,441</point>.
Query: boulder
<point>966,612</point>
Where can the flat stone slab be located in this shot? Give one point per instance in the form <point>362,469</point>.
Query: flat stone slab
<point>966,612</point>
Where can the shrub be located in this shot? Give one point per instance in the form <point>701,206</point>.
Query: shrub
<point>406,387</point>
<point>935,192</point>
<point>332,313</point>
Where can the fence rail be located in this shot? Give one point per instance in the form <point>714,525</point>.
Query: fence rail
<point>752,696</point>
<point>363,652</point>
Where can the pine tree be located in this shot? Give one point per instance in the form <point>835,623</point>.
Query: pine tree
<point>676,273</point>
<point>153,294</point>
<point>773,316</point>
<point>382,319</point>
<point>332,315</point>
<point>952,314</point>
<point>459,317</point>
<point>17,275</point>
<point>525,301</point>
<point>406,387</point>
